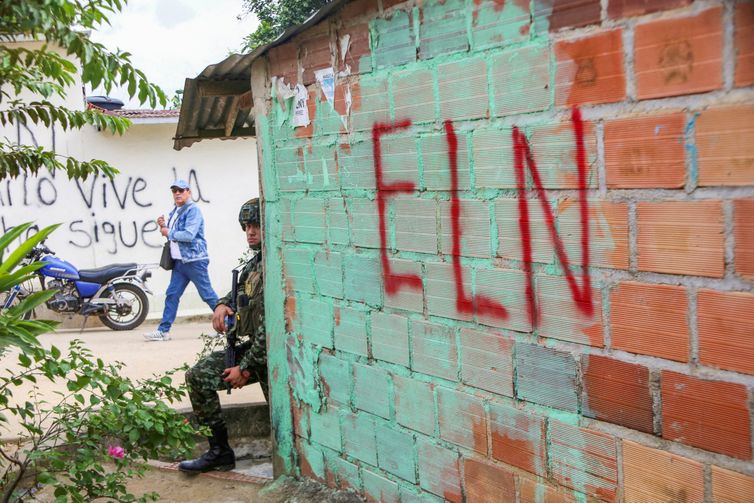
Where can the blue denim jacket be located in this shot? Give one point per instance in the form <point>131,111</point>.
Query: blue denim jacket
<point>188,232</point>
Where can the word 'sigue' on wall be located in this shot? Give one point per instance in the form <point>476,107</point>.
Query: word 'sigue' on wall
<point>509,249</point>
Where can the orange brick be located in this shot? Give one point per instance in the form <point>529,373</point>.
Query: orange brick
<point>567,13</point>
<point>386,4</point>
<point>608,232</point>
<point>650,319</point>
<point>617,392</point>
<point>679,56</point>
<point>681,237</point>
<point>744,47</point>
<point>726,325</point>
<point>645,152</point>
<point>731,487</point>
<point>743,221</point>
<point>590,70</point>
<point>617,9</point>
<point>358,8</point>
<point>725,141</point>
<point>284,63</point>
<point>654,475</point>
<point>596,471</point>
<point>518,438</point>
<point>535,491</point>
<point>711,415</point>
<point>560,317</point>
<point>315,55</point>
<point>486,482</point>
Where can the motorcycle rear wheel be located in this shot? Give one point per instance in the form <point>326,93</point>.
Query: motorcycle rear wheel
<point>117,318</point>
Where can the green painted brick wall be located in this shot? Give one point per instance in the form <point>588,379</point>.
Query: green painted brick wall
<point>423,390</point>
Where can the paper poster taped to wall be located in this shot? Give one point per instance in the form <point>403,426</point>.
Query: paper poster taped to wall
<point>326,79</point>
<point>301,110</point>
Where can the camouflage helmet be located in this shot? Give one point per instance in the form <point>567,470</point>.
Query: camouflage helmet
<point>249,213</point>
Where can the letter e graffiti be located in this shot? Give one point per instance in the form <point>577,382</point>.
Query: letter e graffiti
<point>393,281</point>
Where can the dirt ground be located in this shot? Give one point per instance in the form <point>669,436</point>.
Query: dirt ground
<point>180,488</point>
<point>176,487</point>
<point>141,358</point>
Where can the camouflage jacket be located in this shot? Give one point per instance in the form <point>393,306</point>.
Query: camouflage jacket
<point>250,331</point>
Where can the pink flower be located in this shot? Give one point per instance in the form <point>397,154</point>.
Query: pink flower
<point>116,451</point>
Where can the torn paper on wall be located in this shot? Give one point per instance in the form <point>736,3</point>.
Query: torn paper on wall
<point>345,41</point>
<point>301,109</point>
<point>326,79</point>
<point>349,101</point>
<point>283,91</point>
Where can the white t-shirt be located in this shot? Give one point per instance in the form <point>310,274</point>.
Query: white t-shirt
<point>175,251</point>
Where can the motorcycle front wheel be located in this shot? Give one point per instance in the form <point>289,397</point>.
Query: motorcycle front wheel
<point>4,299</point>
<point>130,309</point>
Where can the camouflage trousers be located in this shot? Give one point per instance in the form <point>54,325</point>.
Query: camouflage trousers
<point>204,380</point>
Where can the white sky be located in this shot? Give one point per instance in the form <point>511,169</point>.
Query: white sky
<point>173,39</point>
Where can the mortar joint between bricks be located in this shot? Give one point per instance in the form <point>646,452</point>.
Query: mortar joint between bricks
<point>601,174</point>
<point>579,383</point>
<point>619,490</point>
<point>633,259</point>
<point>751,412</point>
<point>692,153</point>
<point>692,320</point>
<point>707,481</point>
<point>729,50</point>
<point>629,63</point>
<point>730,238</point>
<point>655,390</point>
<point>607,332</point>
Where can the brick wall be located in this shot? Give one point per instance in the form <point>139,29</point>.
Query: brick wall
<point>511,258</point>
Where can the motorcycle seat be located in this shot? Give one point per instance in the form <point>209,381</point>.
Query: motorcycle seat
<point>104,274</point>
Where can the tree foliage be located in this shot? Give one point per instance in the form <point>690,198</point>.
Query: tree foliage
<point>47,73</point>
<point>275,16</point>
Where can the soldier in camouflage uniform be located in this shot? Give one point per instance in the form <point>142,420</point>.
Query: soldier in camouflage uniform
<point>209,375</point>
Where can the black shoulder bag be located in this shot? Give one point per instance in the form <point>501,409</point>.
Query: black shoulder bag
<point>166,260</point>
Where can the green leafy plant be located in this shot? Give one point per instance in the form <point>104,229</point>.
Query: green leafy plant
<point>88,441</point>
<point>16,329</point>
<point>84,443</point>
<point>55,46</point>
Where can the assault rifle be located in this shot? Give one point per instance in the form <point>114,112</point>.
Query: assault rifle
<point>230,322</point>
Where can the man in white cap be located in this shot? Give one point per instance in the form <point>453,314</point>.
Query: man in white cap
<point>184,228</point>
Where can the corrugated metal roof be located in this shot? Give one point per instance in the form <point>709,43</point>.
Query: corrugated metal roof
<point>206,116</point>
<point>212,97</point>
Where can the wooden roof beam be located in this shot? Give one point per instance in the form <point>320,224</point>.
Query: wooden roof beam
<point>223,87</point>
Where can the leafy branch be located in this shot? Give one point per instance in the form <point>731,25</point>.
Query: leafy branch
<point>19,159</point>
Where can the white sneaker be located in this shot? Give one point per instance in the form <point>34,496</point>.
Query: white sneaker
<point>157,335</point>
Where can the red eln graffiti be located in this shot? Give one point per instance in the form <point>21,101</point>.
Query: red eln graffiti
<point>523,159</point>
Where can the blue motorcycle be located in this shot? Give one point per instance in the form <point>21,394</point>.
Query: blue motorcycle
<point>115,293</point>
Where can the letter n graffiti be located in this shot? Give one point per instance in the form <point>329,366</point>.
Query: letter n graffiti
<point>582,297</point>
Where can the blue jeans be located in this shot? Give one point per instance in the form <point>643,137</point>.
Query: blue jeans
<point>183,273</point>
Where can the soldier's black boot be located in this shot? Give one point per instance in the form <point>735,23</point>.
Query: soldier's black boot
<point>219,456</point>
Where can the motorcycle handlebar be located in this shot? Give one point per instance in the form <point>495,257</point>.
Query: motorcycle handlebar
<point>38,251</point>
